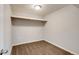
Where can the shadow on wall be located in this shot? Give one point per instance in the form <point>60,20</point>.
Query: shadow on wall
<point>22,22</point>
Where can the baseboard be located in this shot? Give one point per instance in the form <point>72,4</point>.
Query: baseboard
<point>72,52</point>
<point>26,42</point>
<point>11,50</point>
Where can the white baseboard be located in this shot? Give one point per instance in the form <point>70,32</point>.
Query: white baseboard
<point>62,47</point>
<point>25,42</point>
<point>10,50</point>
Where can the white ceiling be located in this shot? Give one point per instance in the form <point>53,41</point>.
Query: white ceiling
<point>46,8</point>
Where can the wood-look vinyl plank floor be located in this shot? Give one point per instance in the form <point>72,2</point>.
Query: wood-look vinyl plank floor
<point>38,48</point>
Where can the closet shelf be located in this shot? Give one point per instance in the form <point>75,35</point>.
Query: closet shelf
<point>28,18</point>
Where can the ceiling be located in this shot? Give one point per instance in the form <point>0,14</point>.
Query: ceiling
<point>46,8</point>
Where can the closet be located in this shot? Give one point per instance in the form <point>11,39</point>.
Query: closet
<point>26,29</point>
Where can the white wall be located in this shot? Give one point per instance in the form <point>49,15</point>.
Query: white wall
<point>5,28</point>
<point>25,11</point>
<point>24,31</point>
<point>1,26</point>
<point>23,14</point>
<point>62,28</point>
